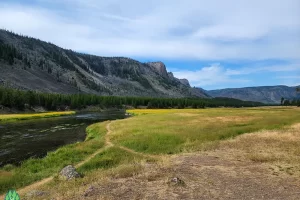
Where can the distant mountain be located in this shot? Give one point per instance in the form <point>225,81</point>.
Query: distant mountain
<point>31,64</point>
<point>265,94</point>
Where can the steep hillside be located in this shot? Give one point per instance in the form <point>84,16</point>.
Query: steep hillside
<point>32,64</point>
<point>265,94</point>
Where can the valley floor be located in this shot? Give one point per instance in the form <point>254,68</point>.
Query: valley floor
<point>190,154</point>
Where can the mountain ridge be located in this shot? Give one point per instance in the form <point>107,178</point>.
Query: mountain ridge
<point>31,64</point>
<point>265,94</point>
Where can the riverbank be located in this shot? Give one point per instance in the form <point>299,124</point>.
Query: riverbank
<point>16,117</point>
<point>33,170</point>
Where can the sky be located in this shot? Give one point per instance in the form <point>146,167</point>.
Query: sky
<point>214,44</point>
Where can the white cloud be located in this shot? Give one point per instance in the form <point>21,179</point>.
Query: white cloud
<point>212,75</point>
<point>259,68</point>
<point>217,75</point>
<point>191,29</point>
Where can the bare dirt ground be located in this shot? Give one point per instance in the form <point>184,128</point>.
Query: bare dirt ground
<point>207,176</point>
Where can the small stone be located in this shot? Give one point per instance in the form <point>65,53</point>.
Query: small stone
<point>89,191</point>
<point>35,193</point>
<point>177,182</point>
<point>68,173</point>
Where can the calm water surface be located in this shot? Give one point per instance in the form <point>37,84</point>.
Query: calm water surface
<point>34,138</point>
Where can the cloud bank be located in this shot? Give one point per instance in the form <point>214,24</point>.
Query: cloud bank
<point>214,31</point>
<point>191,29</point>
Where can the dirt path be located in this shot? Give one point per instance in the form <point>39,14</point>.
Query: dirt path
<point>108,142</point>
<point>107,145</point>
<point>107,139</point>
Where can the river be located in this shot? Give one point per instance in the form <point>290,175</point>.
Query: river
<point>34,138</point>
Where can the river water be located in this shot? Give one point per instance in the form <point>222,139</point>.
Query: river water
<point>34,138</point>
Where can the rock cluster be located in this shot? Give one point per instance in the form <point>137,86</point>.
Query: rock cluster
<point>68,173</point>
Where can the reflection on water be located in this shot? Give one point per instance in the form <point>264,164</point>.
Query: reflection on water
<point>34,138</point>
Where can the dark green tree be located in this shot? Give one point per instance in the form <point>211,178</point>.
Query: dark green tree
<point>282,101</point>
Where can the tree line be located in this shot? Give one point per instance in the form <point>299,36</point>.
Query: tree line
<point>291,102</point>
<point>18,99</point>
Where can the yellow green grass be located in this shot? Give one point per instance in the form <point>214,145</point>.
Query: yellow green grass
<point>109,158</point>
<point>11,117</point>
<point>169,131</point>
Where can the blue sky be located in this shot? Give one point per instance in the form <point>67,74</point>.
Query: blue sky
<point>214,44</point>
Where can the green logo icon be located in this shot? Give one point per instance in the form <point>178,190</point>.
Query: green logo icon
<point>12,195</point>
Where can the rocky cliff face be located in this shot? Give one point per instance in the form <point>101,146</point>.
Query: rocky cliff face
<point>159,67</point>
<point>265,94</point>
<point>185,82</point>
<point>31,64</point>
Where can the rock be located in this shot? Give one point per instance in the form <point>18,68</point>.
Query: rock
<point>89,191</point>
<point>68,173</point>
<point>171,75</point>
<point>185,82</point>
<point>177,182</point>
<point>36,193</point>
<point>159,67</point>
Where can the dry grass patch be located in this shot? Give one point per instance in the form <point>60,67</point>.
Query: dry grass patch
<point>237,120</point>
<point>233,118</point>
<point>187,114</point>
<point>280,148</point>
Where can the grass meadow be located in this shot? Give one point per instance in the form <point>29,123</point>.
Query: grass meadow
<point>173,131</point>
<point>164,132</point>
